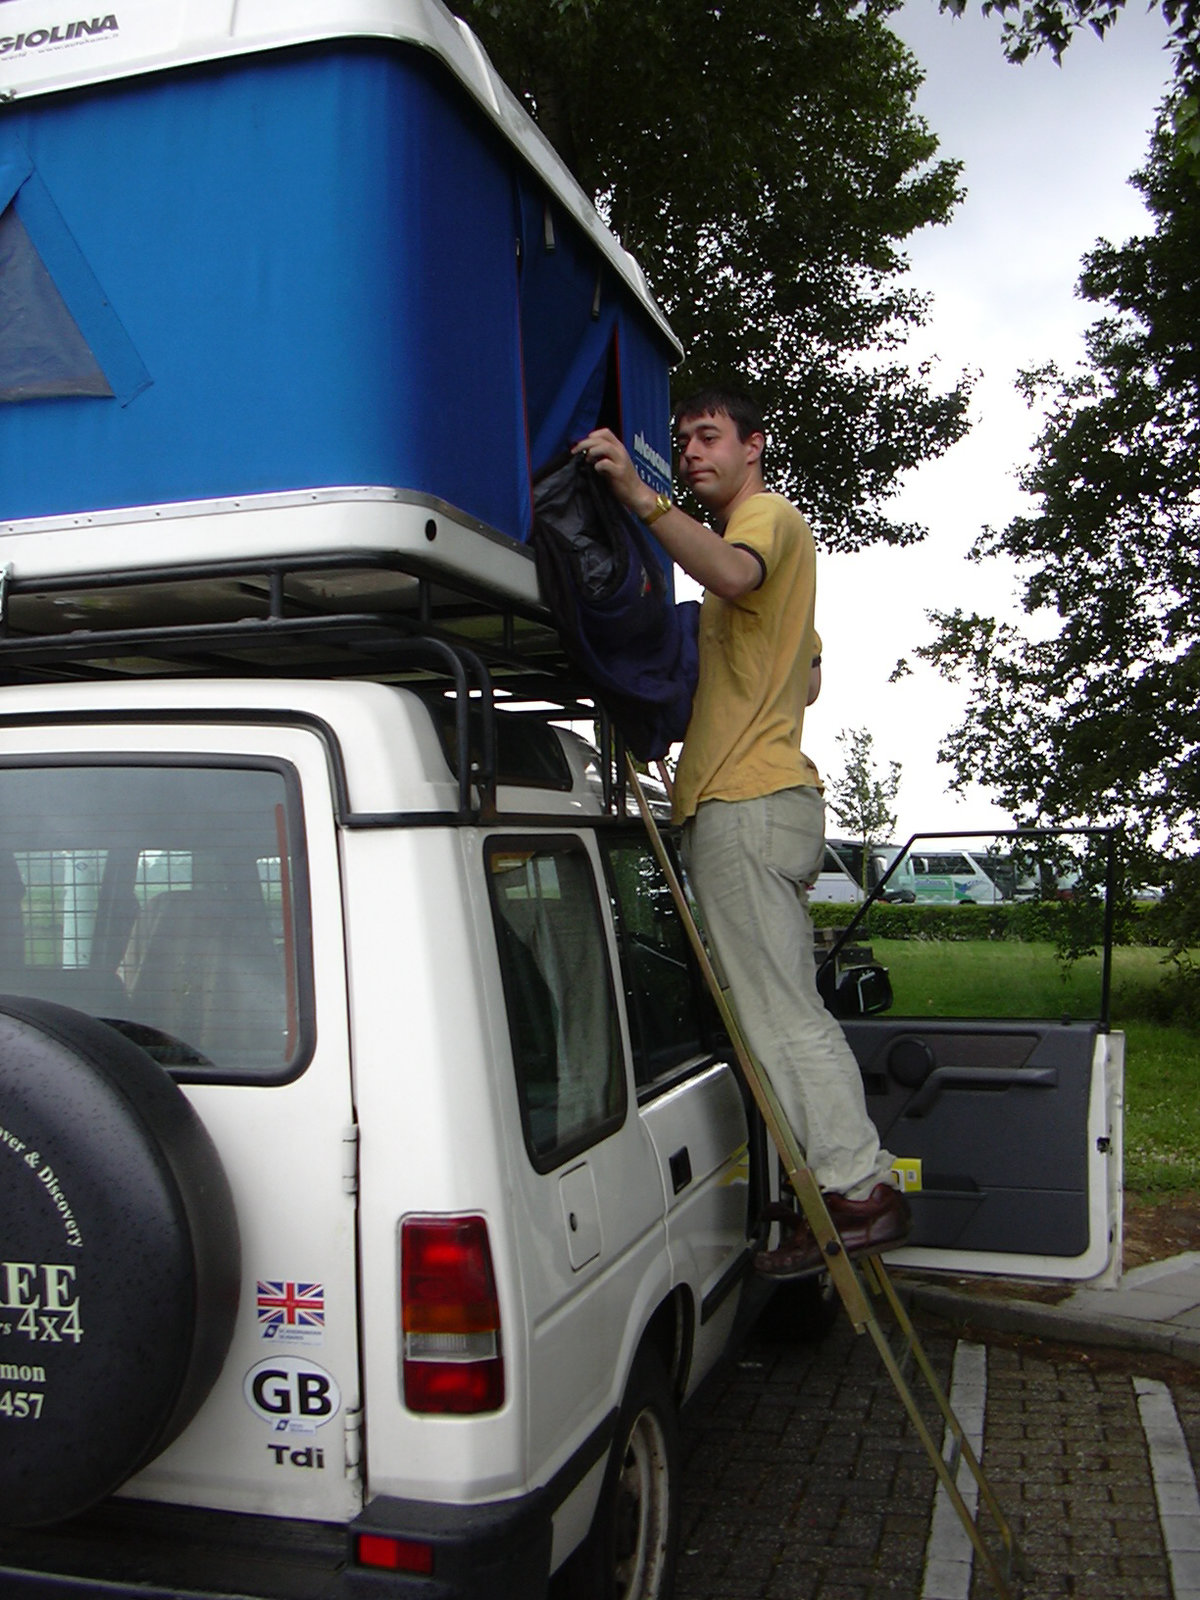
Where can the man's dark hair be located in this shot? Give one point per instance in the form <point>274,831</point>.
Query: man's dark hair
<point>736,404</point>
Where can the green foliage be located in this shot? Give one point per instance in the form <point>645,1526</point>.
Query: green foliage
<point>762,160</point>
<point>1154,978</point>
<point>981,980</point>
<point>953,923</point>
<point>1021,921</point>
<point>1162,1109</point>
<point>1174,921</point>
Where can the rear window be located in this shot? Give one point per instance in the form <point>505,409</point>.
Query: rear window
<point>167,899</point>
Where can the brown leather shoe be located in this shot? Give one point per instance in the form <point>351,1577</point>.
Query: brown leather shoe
<point>865,1227</point>
<point>868,1226</point>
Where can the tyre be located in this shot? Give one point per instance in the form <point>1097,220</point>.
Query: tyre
<point>119,1261</point>
<point>629,1554</point>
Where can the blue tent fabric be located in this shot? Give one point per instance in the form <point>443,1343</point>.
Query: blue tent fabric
<point>605,586</point>
<point>568,328</point>
<point>335,271</point>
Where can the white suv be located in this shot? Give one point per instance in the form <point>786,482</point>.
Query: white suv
<point>403,1190</point>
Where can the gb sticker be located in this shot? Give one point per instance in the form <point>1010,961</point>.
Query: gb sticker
<point>293,1395</point>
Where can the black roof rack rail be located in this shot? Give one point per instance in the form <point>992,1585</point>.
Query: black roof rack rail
<point>281,615</point>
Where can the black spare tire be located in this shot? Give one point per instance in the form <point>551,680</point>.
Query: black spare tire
<point>119,1261</point>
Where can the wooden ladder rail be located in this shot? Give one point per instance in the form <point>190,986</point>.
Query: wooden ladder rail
<point>848,1278</point>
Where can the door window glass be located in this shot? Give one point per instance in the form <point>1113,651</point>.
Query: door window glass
<point>561,1010</point>
<point>665,1015</point>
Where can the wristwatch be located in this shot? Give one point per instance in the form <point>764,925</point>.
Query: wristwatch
<point>662,505</point>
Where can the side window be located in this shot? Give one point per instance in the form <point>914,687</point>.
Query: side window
<point>561,1009</point>
<point>665,1014</point>
<point>951,862</point>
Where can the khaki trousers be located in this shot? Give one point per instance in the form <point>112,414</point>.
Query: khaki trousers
<point>749,863</point>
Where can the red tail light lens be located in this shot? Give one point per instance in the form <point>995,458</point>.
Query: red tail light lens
<point>394,1555</point>
<point>450,1317</point>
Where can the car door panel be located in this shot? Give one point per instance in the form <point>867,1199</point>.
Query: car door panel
<point>1003,1137</point>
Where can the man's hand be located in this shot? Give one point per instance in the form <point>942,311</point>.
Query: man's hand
<point>605,452</point>
<point>727,570</point>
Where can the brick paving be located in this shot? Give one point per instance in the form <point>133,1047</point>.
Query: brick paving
<point>804,1480</point>
<point>803,1477</point>
<point>1066,1456</point>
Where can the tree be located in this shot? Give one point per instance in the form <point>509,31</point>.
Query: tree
<point>860,800</point>
<point>763,161</point>
<point>1090,714</point>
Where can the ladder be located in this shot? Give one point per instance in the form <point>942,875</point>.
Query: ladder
<point>861,1284</point>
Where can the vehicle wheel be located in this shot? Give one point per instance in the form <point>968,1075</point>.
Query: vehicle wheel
<point>630,1552</point>
<point>119,1261</point>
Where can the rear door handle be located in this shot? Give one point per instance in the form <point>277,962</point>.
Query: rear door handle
<point>681,1169</point>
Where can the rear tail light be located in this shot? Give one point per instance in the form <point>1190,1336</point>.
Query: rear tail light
<point>450,1316</point>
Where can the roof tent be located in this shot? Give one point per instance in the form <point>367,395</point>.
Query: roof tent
<point>278,276</point>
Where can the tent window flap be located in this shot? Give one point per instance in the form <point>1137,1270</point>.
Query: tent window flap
<point>42,352</point>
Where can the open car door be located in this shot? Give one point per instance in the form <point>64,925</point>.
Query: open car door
<point>1007,1127</point>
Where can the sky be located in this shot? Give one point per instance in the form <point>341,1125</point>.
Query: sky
<point>1048,152</point>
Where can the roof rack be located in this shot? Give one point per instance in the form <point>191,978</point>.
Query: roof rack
<point>327,614</point>
<point>299,617</point>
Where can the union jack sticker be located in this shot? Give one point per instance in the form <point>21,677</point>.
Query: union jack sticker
<point>291,1313</point>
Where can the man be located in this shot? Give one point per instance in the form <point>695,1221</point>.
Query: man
<point>751,802</point>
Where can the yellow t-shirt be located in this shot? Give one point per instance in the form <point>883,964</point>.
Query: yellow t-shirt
<point>756,652</point>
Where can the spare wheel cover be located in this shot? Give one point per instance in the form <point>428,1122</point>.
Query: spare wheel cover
<point>119,1261</point>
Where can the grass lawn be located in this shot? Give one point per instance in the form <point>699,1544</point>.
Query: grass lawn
<point>1002,979</point>
<point>1162,1110</point>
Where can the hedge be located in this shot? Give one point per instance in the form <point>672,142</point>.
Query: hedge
<point>1030,921</point>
